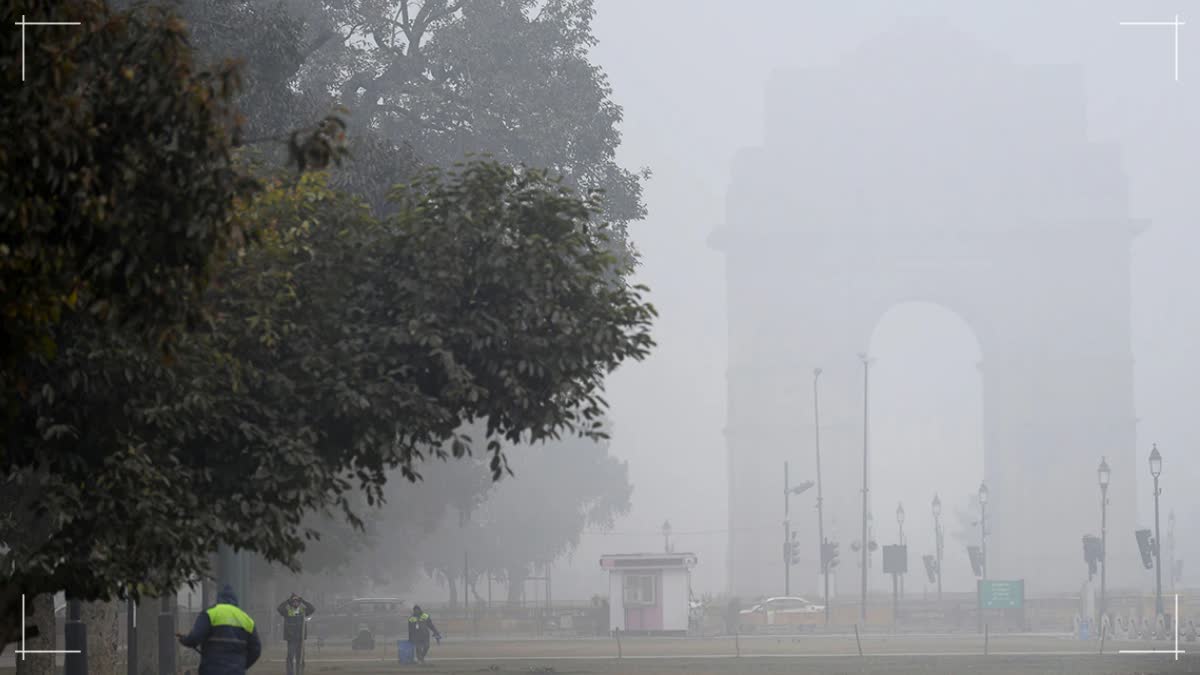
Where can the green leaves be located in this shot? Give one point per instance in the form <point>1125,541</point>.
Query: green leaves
<point>118,178</point>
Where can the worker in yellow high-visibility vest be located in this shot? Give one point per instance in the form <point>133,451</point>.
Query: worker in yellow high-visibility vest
<point>226,637</point>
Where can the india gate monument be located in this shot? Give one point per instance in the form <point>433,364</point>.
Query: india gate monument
<point>926,166</point>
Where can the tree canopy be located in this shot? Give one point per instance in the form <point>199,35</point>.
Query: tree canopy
<point>116,171</point>
<point>198,351</point>
<point>340,348</point>
<point>429,81</point>
<point>533,517</point>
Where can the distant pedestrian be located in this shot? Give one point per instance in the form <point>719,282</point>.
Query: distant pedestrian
<point>226,637</point>
<point>420,626</point>
<point>295,612</point>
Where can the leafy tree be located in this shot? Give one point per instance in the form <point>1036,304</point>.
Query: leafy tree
<point>117,174</point>
<point>558,489</point>
<point>341,348</point>
<point>431,81</point>
<point>506,77</point>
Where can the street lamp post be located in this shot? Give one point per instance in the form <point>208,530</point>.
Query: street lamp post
<point>1155,471</point>
<point>820,494</point>
<point>1104,474</point>
<point>983,500</point>
<point>900,522</point>
<point>865,503</point>
<point>937,533</point>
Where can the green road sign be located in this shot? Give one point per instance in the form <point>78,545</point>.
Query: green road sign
<point>1002,594</point>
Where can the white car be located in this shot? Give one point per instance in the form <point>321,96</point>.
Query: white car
<point>783,605</point>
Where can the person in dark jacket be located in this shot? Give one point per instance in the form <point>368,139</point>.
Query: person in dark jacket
<point>419,628</point>
<point>295,611</point>
<point>226,636</point>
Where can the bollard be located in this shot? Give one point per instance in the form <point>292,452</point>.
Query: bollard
<point>131,660</point>
<point>617,634</point>
<point>166,636</point>
<point>737,641</point>
<point>986,631</point>
<point>75,637</point>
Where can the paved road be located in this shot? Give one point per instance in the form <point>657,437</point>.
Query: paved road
<point>834,655</point>
<point>902,655</point>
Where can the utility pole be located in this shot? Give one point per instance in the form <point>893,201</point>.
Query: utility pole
<point>820,493</point>
<point>865,489</point>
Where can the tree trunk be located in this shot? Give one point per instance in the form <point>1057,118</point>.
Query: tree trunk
<point>147,636</point>
<point>43,617</point>
<point>101,621</point>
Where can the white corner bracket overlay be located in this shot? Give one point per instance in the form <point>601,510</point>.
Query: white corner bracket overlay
<point>23,23</point>
<point>1175,629</point>
<point>1174,25</point>
<point>23,651</point>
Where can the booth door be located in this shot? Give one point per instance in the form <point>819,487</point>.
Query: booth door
<point>643,601</point>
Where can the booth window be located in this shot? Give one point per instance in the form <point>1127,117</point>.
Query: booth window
<point>639,589</point>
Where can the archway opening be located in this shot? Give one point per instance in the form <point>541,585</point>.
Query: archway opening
<point>926,425</point>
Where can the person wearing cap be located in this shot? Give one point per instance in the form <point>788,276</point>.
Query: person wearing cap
<point>419,628</point>
<point>295,611</point>
<point>226,637</point>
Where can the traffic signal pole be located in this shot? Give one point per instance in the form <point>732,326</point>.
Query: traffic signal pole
<point>787,534</point>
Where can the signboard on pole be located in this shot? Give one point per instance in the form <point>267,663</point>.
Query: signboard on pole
<point>1002,594</point>
<point>895,559</point>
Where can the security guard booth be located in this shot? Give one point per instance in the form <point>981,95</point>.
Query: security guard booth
<point>649,593</point>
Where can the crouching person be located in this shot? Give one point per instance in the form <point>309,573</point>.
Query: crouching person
<point>226,637</point>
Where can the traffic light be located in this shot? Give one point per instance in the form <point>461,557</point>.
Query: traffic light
<point>976,556</point>
<point>793,551</point>
<point>1093,553</point>
<point>930,567</point>
<point>829,554</point>
<point>1146,542</point>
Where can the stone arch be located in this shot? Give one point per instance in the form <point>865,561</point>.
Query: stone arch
<point>926,167</point>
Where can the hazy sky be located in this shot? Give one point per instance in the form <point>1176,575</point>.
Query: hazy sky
<point>691,76</point>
